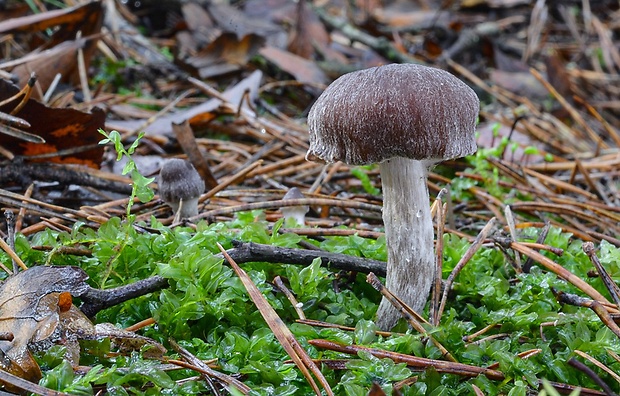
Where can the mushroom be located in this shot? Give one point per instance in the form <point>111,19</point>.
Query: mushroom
<point>298,212</point>
<point>406,118</point>
<point>180,186</point>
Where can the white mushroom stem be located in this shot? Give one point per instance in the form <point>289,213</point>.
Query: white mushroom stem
<point>409,236</point>
<point>297,213</point>
<point>186,208</point>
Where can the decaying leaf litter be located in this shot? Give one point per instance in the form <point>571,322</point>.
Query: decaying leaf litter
<point>242,80</point>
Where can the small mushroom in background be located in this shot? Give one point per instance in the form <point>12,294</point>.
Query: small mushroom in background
<point>298,212</point>
<point>180,186</point>
<point>406,118</point>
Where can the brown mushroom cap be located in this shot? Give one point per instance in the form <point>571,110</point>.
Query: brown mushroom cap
<point>397,110</point>
<point>178,179</point>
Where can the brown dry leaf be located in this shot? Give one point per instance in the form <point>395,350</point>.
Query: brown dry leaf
<point>187,140</point>
<point>62,129</point>
<point>375,390</point>
<point>65,325</point>
<point>201,26</point>
<point>225,54</point>
<point>520,83</point>
<point>36,308</point>
<point>78,18</point>
<point>302,69</point>
<point>232,20</point>
<point>61,57</point>
<point>309,33</point>
<point>29,310</point>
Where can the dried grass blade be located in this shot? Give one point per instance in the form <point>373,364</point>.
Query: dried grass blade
<point>7,249</point>
<point>282,333</point>
<point>413,318</point>
<point>599,364</point>
<point>207,371</point>
<point>560,271</point>
<point>614,290</point>
<point>412,361</point>
<point>462,262</point>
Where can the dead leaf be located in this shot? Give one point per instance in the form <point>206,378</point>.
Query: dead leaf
<point>78,18</point>
<point>201,26</point>
<point>309,33</point>
<point>375,390</point>
<point>62,47</point>
<point>232,20</point>
<point>187,140</point>
<point>62,129</point>
<point>29,310</point>
<point>196,115</point>
<point>225,54</point>
<point>520,83</point>
<point>36,307</point>
<point>302,69</point>
<point>61,59</point>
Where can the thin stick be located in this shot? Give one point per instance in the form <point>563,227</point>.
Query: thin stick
<point>282,333</point>
<point>463,261</point>
<point>588,248</point>
<point>296,305</point>
<point>288,202</point>
<point>561,272</point>
<point>436,295</point>
<point>10,234</point>
<point>598,364</point>
<point>510,221</point>
<point>5,246</point>
<point>412,361</point>
<point>594,305</point>
<point>413,318</point>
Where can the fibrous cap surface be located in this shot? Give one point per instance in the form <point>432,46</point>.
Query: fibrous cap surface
<point>178,179</point>
<point>397,110</point>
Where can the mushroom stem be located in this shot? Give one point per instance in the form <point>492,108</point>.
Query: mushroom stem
<point>186,207</point>
<point>409,236</point>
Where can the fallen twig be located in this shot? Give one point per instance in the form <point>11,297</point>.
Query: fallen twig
<point>412,361</point>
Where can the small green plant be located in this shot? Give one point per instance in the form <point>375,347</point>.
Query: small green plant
<point>361,172</point>
<point>209,312</point>
<point>140,185</point>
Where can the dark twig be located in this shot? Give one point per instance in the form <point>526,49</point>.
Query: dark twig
<point>24,173</point>
<point>597,307</point>
<point>588,371</point>
<point>207,372</point>
<point>380,44</point>
<point>527,265</point>
<point>245,252</point>
<point>588,248</point>
<point>10,234</point>
<point>462,262</point>
<point>95,300</point>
